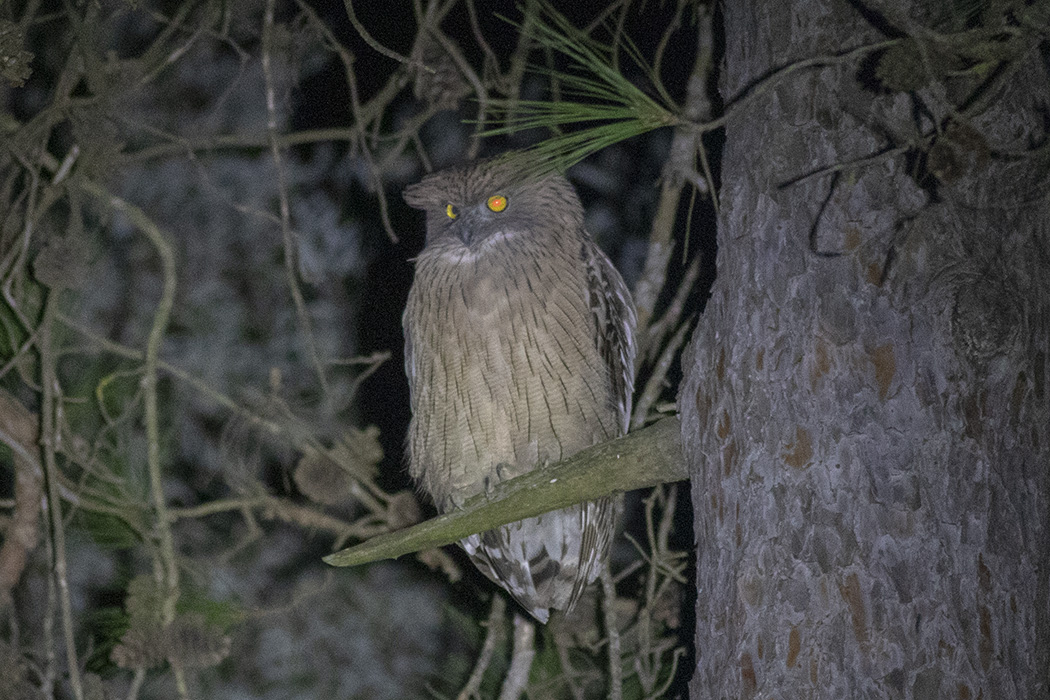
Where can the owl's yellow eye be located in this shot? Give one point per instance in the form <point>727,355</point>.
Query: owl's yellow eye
<point>451,212</point>
<point>497,202</point>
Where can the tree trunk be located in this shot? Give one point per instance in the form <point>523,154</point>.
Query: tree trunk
<point>865,404</point>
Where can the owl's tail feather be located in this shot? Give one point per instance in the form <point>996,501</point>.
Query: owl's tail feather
<point>545,562</point>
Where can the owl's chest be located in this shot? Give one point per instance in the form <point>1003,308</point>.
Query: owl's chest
<point>495,334</point>
<point>499,317</point>
<point>489,298</point>
<point>505,291</point>
<point>504,368</point>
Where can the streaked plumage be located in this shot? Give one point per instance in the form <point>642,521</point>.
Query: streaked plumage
<point>519,349</point>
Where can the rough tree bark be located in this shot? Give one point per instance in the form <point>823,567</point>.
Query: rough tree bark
<point>865,407</point>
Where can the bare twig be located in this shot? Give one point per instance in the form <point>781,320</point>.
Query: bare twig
<point>564,645</point>
<point>290,250</point>
<point>49,674</point>
<point>664,568</point>
<point>50,405</point>
<point>362,115</point>
<point>760,87</point>
<point>522,654</point>
<point>493,637</point>
<point>285,510</point>
<point>198,384</point>
<point>375,44</point>
<point>607,10</point>
<point>480,92</point>
<point>37,202</point>
<point>612,633</point>
<point>677,172</point>
<point>665,39</point>
<point>660,328</point>
<point>372,362</point>
<point>519,57</point>
<point>655,386</point>
<point>491,62</point>
<point>136,684</point>
<point>18,430</point>
<point>169,566</point>
<point>192,146</point>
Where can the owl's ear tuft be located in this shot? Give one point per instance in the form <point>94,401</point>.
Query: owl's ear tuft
<point>417,196</point>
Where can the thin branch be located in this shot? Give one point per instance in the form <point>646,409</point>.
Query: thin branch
<point>599,20</point>
<point>50,404</point>
<point>522,654</point>
<point>709,181</point>
<point>490,60</point>
<point>199,384</point>
<point>642,458</point>
<point>518,63</point>
<point>677,171</point>
<point>480,92</point>
<point>493,637</point>
<point>659,329</point>
<point>972,104</point>
<point>661,47</point>
<point>655,386</point>
<point>375,44</point>
<point>50,671</point>
<point>191,147</point>
<point>661,692</point>
<point>37,130</point>
<point>282,509</point>
<point>136,684</point>
<point>612,633</point>
<point>290,249</point>
<point>761,86</point>
<point>19,429</point>
<point>865,161</point>
<point>362,115</point>
<point>648,662</point>
<point>166,253</point>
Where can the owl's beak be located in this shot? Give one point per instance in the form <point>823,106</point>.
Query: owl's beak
<point>470,223</point>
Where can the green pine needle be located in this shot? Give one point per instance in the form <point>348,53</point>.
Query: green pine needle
<point>614,110</point>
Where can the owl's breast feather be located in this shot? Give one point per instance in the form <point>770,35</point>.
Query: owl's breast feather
<point>511,374</point>
<point>491,274</point>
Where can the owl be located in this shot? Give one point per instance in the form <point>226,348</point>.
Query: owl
<point>519,351</point>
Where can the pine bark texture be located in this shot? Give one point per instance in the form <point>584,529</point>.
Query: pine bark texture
<point>865,407</point>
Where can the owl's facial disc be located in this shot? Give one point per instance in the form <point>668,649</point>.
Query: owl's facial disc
<point>476,223</point>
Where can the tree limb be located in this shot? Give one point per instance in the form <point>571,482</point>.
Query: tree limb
<point>646,457</point>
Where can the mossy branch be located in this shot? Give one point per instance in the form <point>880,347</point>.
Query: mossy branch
<point>646,457</point>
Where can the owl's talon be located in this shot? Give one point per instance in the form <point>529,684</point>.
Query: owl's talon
<point>501,472</point>
<point>455,501</point>
<point>504,472</point>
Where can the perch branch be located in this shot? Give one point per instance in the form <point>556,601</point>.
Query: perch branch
<point>646,457</point>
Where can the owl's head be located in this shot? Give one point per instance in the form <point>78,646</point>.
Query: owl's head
<point>468,204</point>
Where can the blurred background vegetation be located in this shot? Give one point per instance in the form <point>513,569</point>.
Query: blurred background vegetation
<point>203,261</point>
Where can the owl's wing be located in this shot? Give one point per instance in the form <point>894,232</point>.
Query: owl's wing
<point>615,319</point>
<point>410,366</point>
